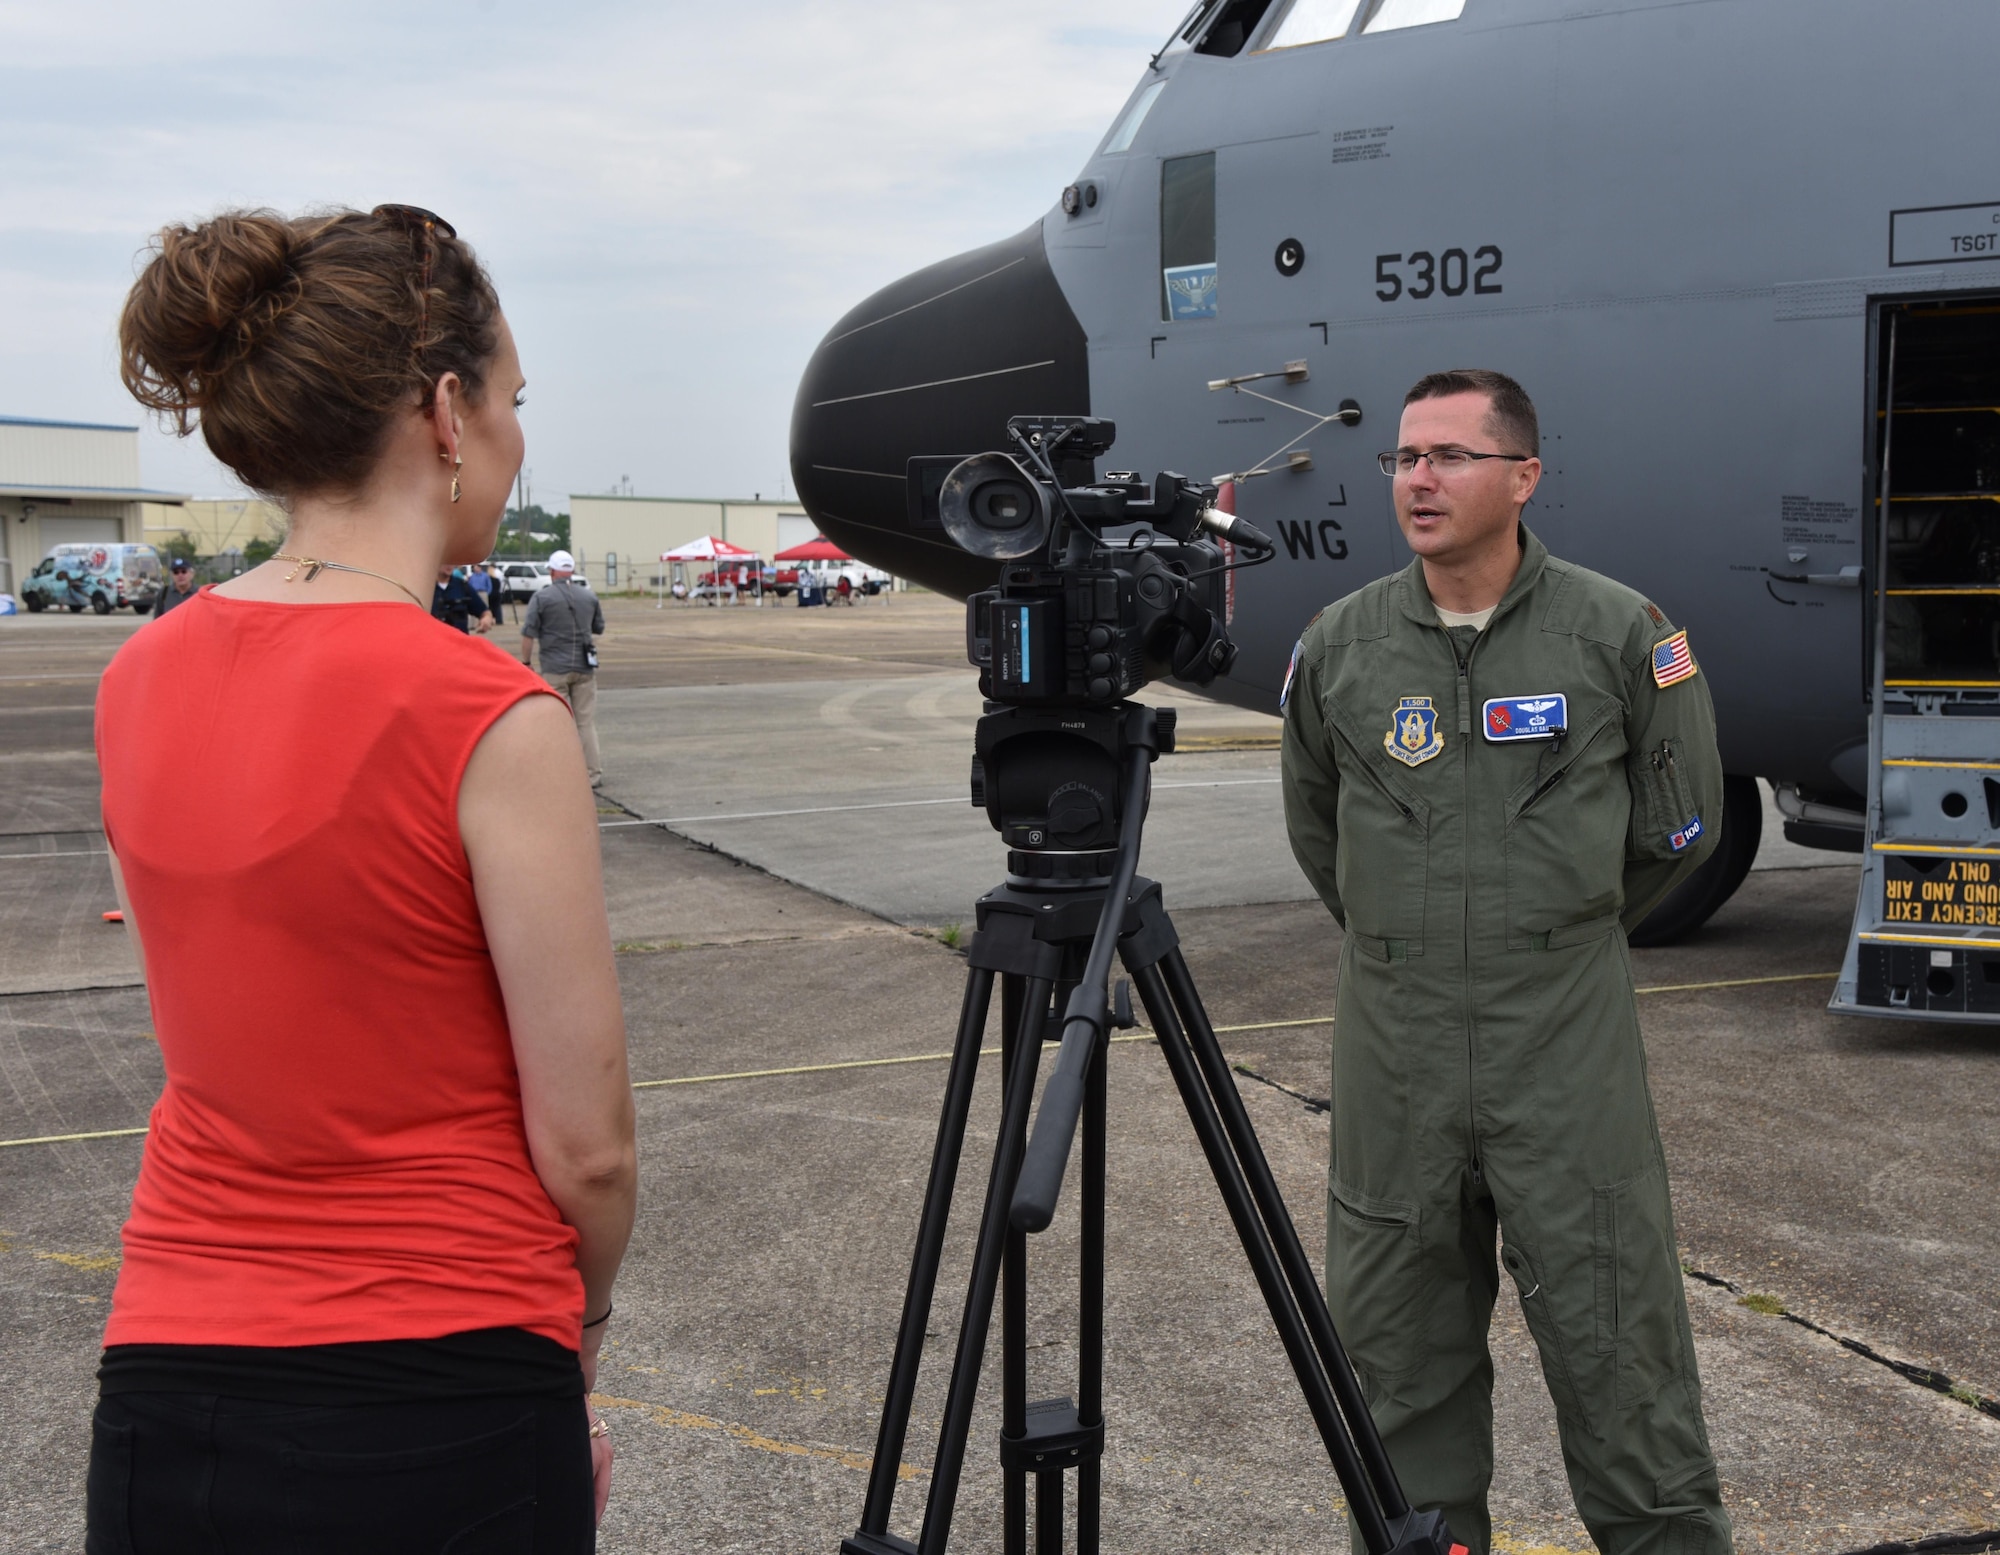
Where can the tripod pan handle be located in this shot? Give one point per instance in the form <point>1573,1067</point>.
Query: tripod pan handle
<point>1040,1185</point>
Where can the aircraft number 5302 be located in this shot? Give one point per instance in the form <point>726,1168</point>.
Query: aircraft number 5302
<point>1453,273</point>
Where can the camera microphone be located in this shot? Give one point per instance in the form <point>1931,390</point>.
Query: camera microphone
<point>1235,530</point>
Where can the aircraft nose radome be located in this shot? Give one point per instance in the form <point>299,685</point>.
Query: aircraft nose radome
<point>933,364</point>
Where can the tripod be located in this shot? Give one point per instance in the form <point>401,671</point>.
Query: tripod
<point>1052,928</point>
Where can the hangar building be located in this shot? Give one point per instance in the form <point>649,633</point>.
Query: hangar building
<point>63,481</point>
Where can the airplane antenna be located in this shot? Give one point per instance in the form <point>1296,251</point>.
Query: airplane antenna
<point>1201,8</point>
<point>1348,414</point>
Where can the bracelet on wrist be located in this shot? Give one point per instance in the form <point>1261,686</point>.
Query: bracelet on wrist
<point>599,1322</point>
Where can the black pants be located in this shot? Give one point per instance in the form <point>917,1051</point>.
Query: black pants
<point>180,1473</point>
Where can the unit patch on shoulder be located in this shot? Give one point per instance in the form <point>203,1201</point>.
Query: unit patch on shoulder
<point>1413,736</point>
<point>1292,671</point>
<point>1656,615</point>
<point>1541,717</point>
<point>1672,662</point>
<point>1687,836</point>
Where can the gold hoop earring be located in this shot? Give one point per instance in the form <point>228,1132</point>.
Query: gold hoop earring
<point>456,466</point>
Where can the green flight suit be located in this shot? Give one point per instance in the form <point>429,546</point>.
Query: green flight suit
<point>1487,1066</point>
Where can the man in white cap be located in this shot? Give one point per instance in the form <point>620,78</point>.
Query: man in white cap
<point>565,619</point>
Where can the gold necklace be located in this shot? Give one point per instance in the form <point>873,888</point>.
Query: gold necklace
<point>312,566</point>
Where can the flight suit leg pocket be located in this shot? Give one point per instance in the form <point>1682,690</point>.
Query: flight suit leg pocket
<point>1638,1286</point>
<point>1541,1304</point>
<point>1376,1283</point>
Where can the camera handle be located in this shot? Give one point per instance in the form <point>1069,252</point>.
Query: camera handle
<point>1087,1018</point>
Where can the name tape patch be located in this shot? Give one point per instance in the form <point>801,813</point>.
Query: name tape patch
<point>1672,662</point>
<point>1540,717</point>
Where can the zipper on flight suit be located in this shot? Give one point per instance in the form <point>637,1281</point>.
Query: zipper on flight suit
<point>1464,663</point>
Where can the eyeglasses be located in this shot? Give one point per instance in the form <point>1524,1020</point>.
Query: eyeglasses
<point>1443,461</point>
<point>419,222</point>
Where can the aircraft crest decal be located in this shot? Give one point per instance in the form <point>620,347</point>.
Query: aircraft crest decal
<point>1191,291</point>
<point>1413,736</point>
<point>1541,717</point>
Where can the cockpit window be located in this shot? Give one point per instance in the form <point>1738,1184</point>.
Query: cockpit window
<point>1121,137</point>
<point>1392,14</point>
<point>1313,21</point>
<point>1234,21</point>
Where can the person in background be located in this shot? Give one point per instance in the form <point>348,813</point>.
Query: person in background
<point>566,619</point>
<point>179,589</point>
<point>455,602</point>
<point>390,1178</point>
<point>482,585</point>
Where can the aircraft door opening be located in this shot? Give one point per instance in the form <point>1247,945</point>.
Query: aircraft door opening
<point>1926,939</point>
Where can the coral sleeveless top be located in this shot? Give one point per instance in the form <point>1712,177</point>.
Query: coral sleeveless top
<point>339,1152</point>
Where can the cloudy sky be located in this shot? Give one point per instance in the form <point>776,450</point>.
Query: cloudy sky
<point>676,200</point>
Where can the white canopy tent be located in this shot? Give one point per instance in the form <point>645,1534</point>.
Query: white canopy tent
<point>716,551</point>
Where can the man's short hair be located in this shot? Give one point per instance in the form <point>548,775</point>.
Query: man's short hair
<point>1511,420</point>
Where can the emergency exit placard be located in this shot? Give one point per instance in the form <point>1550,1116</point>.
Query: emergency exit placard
<point>1948,890</point>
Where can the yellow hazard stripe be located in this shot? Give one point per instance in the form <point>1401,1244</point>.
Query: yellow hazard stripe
<point>1939,848</point>
<point>1887,937</point>
<point>1956,766</point>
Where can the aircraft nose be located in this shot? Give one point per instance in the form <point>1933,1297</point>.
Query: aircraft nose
<point>933,364</point>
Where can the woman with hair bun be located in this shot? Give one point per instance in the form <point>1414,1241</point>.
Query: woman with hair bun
<point>391,1176</point>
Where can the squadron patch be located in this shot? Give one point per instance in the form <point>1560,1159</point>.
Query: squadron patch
<point>1526,718</point>
<point>1291,672</point>
<point>1413,736</point>
<point>1687,836</point>
<point>1672,662</point>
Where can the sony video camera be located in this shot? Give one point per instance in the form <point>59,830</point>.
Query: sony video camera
<point>1083,617</point>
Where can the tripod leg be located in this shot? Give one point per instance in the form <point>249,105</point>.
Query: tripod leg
<point>1347,1466</point>
<point>980,1289</point>
<point>930,1247</point>
<point>1014,1302</point>
<point>1049,1513</point>
<point>1090,1303</point>
<point>1284,1235</point>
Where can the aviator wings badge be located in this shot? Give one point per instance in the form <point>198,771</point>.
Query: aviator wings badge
<point>1413,736</point>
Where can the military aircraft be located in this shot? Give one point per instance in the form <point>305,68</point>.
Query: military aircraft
<point>1745,255</point>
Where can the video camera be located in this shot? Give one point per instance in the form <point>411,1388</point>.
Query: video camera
<point>1080,618</point>
<point>1105,586</point>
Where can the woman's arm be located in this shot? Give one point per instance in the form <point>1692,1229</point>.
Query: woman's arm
<point>529,822</point>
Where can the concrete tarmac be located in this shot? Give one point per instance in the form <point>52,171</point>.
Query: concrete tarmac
<point>1832,1169</point>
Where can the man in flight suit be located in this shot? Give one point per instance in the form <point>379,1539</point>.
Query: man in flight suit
<point>1495,763</point>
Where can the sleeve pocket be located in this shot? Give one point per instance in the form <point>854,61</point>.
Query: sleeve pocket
<point>1665,822</point>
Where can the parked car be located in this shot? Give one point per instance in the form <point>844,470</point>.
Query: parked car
<point>100,574</point>
<point>523,579</point>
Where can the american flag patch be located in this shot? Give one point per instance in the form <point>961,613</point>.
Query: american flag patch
<point>1672,661</point>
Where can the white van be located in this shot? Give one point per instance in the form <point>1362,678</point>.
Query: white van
<point>97,573</point>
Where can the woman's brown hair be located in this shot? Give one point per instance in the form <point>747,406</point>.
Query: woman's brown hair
<point>294,342</point>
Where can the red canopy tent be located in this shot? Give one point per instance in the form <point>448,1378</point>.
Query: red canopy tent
<point>817,549</point>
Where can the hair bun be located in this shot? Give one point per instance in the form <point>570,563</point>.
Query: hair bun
<point>207,300</point>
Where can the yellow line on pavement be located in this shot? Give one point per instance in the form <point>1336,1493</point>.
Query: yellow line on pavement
<point>985,1052</point>
<point>1736,982</point>
<point>934,1058</point>
<point>64,1139</point>
<point>685,1420</point>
